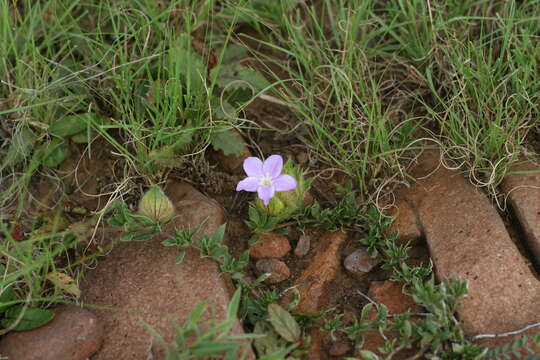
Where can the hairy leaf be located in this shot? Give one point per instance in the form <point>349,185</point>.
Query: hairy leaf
<point>283,322</point>
<point>229,141</point>
<point>70,125</point>
<point>21,146</point>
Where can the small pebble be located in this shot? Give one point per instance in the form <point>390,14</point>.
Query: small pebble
<point>270,245</point>
<point>278,269</point>
<point>303,245</point>
<point>360,262</point>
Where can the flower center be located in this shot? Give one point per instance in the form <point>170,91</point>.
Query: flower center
<point>266,180</point>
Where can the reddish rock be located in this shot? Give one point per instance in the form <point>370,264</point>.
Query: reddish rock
<point>303,245</point>
<point>468,241</point>
<point>360,262</point>
<point>390,293</point>
<point>523,191</point>
<point>319,274</point>
<point>270,245</point>
<point>142,277</point>
<point>278,269</point>
<point>73,334</point>
<point>405,223</point>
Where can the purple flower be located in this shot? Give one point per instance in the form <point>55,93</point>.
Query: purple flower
<point>265,178</point>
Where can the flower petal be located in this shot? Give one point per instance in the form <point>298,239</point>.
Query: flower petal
<point>248,184</point>
<point>253,167</point>
<point>266,193</point>
<point>272,166</point>
<point>284,183</point>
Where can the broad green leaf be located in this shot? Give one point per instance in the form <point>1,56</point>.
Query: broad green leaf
<point>55,152</point>
<point>31,318</point>
<point>8,295</point>
<point>270,343</point>
<point>21,146</point>
<point>69,125</point>
<point>218,235</point>
<point>234,53</point>
<point>229,141</point>
<point>83,137</point>
<point>222,109</point>
<point>234,304</point>
<point>235,76</point>
<point>165,156</point>
<point>283,322</point>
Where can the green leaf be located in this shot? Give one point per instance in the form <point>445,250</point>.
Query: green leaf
<point>21,146</point>
<point>283,322</point>
<point>55,152</point>
<point>8,295</point>
<point>406,330</point>
<point>222,109</point>
<point>83,137</point>
<point>180,257</point>
<point>169,242</point>
<point>234,53</point>
<point>234,305</point>
<point>70,125</point>
<point>165,156</point>
<point>270,344</point>
<point>368,355</point>
<point>366,311</point>
<point>31,318</point>
<point>218,235</point>
<point>238,77</point>
<point>229,141</point>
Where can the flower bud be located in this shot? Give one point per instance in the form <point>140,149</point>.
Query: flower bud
<point>156,205</point>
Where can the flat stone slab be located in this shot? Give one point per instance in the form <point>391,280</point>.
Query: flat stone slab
<point>468,240</point>
<point>523,192</point>
<point>140,281</point>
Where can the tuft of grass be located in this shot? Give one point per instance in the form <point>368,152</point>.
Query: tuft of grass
<point>371,80</point>
<point>486,90</point>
